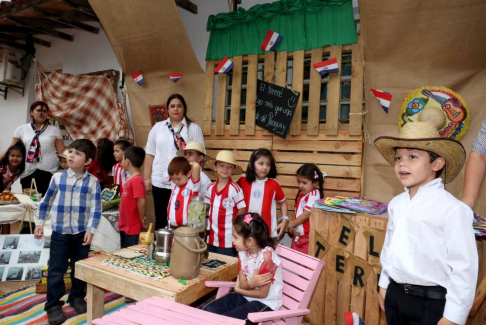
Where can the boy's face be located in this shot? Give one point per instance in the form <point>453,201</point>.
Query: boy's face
<point>64,164</point>
<point>180,179</point>
<point>414,169</point>
<point>193,156</point>
<point>224,170</point>
<point>76,159</point>
<point>118,153</point>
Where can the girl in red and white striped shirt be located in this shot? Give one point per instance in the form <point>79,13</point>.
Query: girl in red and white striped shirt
<point>12,165</point>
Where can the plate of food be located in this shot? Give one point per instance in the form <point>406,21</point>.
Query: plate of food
<point>8,197</point>
<point>127,253</point>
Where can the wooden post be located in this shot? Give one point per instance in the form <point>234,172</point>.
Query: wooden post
<point>297,85</point>
<point>251,92</point>
<point>314,94</point>
<point>356,103</point>
<point>269,73</point>
<point>221,103</point>
<point>236,96</point>
<point>208,98</point>
<point>334,94</point>
<point>96,308</point>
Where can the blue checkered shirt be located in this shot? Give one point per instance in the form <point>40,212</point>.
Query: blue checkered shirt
<point>74,204</point>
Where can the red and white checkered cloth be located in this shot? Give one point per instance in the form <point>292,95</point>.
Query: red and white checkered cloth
<point>86,105</point>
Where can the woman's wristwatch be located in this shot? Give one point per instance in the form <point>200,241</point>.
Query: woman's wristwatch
<point>283,218</point>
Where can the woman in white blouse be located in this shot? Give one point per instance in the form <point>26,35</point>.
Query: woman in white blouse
<point>41,140</point>
<point>165,138</point>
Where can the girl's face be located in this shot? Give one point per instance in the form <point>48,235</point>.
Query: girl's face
<point>262,167</point>
<point>176,110</point>
<point>117,153</point>
<point>305,185</point>
<point>15,158</point>
<point>39,114</point>
<point>193,156</point>
<point>238,241</point>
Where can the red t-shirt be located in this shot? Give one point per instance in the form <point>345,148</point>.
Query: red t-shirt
<point>130,221</point>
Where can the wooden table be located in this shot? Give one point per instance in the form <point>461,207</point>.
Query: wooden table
<point>101,277</point>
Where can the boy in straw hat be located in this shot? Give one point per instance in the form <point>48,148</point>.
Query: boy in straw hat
<point>227,202</point>
<point>195,152</point>
<point>429,259</point>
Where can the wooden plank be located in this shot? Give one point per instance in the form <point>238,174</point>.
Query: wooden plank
<point>356,101</point>
<point>297,85</point>
<point>322,146</point>
<point>236,96</point>
<point>331,159</point>
<point>339,193</point>
<point>238,144</point>
<point>96,307</point>
<point>208,98</point>
<point>360,245</point>
<point>281,69</point>
<point>251,94</point>
<point>316,305</point>
<point>221,103</point>
<point>258,134</point>
<point>344,184</point>
<point>269,73</point>
<point>314,94</point>
<point>330,305</point>
<point>330,170</point>
<point>345,285</point>
<point>334,94</point>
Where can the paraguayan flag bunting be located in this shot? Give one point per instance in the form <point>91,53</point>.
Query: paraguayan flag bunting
<point>271,41</point>
<point>224,66</point>
<point>328,66</point>
<point>352,319</point>
<point>175,76</point>
<point>383,97</point>
<point>138,77</point>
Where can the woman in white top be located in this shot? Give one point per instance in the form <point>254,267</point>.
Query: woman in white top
<point>165,138</point>
<point>41,140</point>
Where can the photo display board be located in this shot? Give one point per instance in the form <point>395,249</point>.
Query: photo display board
<point>275,107</point>
<point>22,257</point>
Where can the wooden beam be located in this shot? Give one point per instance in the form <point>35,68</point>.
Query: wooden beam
<point>69,24</point>
<point>74,15</point>
<point>34,39</point>
<point>18,7</point>
<point>13,44</point>
<point>187,5</point>
<point>44,30</point>
<point>86,9</point>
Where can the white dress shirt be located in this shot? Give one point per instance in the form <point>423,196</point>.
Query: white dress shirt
<point>430,241</point>
<point>160,144</point>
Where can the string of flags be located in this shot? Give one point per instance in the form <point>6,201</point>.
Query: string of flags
<point>328,66</point>
<point>175,76</point>
<point>352,319</point>
<point>383,97</point>
<point>225,66</point>
<point>138,77</point>
<point>271,40</point>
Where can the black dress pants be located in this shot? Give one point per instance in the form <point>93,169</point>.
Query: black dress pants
<point>161,201</point>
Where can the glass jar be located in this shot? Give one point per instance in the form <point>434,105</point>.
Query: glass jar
<point>196,214</point>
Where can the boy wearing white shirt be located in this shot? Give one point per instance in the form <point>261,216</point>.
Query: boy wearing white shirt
<point>429,258</point>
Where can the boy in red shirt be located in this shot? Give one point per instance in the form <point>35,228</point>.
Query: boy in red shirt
<point>132,205</point>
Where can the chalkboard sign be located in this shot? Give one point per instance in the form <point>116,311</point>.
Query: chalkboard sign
<point>108,194</point>
<point>275,107</point>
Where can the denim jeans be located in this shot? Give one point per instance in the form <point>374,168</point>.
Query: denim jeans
<point>64,247</point>
<point>128,240</point>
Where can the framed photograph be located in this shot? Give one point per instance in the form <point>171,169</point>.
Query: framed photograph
<point>157,113</point>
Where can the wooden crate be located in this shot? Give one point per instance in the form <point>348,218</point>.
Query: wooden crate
<point>331,298</point>
<point>334,145</point>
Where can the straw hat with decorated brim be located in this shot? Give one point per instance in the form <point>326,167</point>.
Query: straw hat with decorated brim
<point>424,136</point>
<point>227,157</point>
<point>63,154</point>
<point>194,145</point>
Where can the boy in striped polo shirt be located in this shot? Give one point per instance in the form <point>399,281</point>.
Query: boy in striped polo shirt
<point>120,174</point>
<point>184,185</point>
<point>227,202</point>
<point>73,202</point>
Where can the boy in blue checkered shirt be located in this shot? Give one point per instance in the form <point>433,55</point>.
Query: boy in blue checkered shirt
<point>73,202</point>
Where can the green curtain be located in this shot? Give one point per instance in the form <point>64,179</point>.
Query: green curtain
<point>304,25</point>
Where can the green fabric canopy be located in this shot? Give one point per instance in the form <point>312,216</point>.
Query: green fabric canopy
<point>304,25</point>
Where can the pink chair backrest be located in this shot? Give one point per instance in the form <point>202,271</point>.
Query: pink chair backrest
<point>300,274</point>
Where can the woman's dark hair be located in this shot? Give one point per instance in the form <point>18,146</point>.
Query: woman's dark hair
<point>256,229</point>
<point>38,103</point>
<point>104,154</point>
<point>250,170</point>
<point>179,97</point>
<point>17,146</point>
<point>312,173</point>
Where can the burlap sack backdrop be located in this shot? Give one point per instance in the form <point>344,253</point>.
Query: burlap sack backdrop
<point>414,44</point>
<point>149,35</point>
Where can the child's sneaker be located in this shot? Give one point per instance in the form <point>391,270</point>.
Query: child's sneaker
<point>55,315</point>
<point>79,305</point>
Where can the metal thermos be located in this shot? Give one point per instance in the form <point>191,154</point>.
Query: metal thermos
<point>150,251</point>
<point>163,247</point>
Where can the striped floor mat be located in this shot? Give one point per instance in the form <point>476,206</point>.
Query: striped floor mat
<point>26,307</point>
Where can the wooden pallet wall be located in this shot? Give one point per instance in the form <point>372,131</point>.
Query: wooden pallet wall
<point>334,144</point>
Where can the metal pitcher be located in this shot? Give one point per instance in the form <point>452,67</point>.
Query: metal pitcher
<point>163,247</point>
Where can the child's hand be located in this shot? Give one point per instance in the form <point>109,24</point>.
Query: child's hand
<point>88,237</point>
<point>38,232</point>
<point>237,284</point>
<point>145,222</point>
<point>445,321</point>
<point>5,176</point>
<point>381,297</point>
<point>259,280</point>
<point>281,228</point>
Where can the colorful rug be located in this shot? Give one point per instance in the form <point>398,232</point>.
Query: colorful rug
<point>24,306</point>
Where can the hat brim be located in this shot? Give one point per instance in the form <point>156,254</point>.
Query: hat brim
<point>210,165</point>
<point>451,150</point>
<point>180,153</point>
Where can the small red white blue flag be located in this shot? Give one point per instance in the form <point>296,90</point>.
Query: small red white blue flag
<point>383,97</point>
<point>352,319</point>
<point>224,66</point>
<point>328,66</point>
<point>271,41</point>
<point>138,77</point>
<point>175,76</point>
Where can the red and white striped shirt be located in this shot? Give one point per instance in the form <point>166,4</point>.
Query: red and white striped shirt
<point>12,177</point>
<point>179,201</point>
<point>224,207</point>
<point>306,202</point>
<point>120,175</point>
<point>261,197</point>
